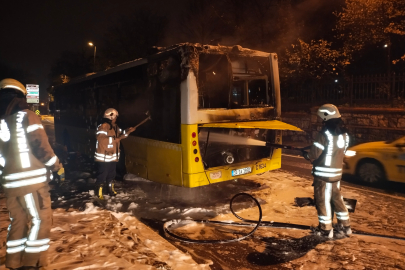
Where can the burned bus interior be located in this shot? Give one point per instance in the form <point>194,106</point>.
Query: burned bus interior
<point>231,81</point>
<point>224,146</point>
<point>227,79</point>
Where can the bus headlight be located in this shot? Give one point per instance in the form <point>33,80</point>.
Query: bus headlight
<point>350,153</point>
<point>228,157</point>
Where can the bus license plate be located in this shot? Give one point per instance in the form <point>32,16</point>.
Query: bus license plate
<point>241,171</point>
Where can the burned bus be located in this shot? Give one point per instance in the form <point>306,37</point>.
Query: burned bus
<point>212,110</point>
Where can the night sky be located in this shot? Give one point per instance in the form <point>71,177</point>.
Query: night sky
<point>34,33</point>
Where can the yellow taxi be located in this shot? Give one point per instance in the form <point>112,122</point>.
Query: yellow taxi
<point>377,161</point>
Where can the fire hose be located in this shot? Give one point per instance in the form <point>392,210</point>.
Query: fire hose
<point>168,226</point>
<point>303,151</point>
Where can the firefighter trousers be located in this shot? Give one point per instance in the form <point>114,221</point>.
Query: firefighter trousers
<point>28,233</point>
<point>329,200</point>
<point>106,172</point>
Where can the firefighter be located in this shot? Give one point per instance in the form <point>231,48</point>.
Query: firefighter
<point>107,153</point>
<point>327,152</point>
<point>26,160</point>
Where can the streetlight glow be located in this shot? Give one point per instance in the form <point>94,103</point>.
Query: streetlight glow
<point>386,45</point>
<point>94,57</point>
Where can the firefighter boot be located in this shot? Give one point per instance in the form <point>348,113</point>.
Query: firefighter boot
<point>318,231</point>
<point>111,189</point>
<point>99,192</point>
<point>342,231</point>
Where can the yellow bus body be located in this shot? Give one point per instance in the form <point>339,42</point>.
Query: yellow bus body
<point>176,164</point>
<point>133,88</point>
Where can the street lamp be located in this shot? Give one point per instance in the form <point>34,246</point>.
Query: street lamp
<point>388,47</point>
<point>94,61</point>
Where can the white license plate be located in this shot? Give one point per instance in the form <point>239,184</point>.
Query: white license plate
<point>241,171</point>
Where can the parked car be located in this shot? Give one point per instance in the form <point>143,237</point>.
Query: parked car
<point>377,161</point>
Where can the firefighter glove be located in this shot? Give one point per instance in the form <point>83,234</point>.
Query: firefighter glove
<point>61,174</point>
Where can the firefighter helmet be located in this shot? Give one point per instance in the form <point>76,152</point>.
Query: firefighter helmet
<point>111,113</point>
<point>328,111</point>
<point>12,84</point>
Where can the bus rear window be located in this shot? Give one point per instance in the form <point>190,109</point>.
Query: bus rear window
<point>233,82</point>
<point>213,81</point>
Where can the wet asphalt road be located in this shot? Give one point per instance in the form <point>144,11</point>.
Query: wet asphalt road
<point>301,167</point>
<point>242,255</point>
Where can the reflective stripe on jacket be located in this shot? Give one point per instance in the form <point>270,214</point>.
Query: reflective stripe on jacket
<point>328,152</point>
<point>25,154</point>
<point>107,149</point>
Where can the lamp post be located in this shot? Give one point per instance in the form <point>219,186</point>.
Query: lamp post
<point>94,60</point>
<point>387,46</point>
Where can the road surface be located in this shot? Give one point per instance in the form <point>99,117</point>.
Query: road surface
<point>268,248</point>
<point>301,167</point>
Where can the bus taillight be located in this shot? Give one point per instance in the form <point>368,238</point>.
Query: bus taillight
<point>194,143</point>
<point>193,134</point>
<point>197,159</point>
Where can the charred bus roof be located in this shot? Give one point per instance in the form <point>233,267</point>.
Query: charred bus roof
<point>211,49</point>
<point>187,52</point>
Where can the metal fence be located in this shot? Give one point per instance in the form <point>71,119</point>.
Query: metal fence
<point>386,89</point>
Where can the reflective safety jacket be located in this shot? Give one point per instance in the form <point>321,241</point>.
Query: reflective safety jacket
<point>107,149</point>
<point>25,154</point>
<point>328,152</point>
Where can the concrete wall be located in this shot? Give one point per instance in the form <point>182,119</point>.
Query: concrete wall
<point>364,124</point>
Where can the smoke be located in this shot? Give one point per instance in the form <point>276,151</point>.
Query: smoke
<point>270,26</point>
<point>229,139</point>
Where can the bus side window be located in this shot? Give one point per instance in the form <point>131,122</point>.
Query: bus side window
<point>164,99</point>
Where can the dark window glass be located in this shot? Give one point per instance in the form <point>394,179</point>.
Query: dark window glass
<point>213,81</point>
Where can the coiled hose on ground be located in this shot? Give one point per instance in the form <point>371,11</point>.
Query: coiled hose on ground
<point>250,223</point>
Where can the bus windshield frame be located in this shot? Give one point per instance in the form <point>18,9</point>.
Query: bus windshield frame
<point>234,82</point>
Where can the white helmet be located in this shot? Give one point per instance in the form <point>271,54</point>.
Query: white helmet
<point>328,111</point>
<point>111,113</point>
<point>12,84</point>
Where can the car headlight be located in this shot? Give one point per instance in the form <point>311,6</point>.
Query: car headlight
<point>350,153</point>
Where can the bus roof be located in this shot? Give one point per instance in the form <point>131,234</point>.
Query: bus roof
<point>210,49</point>
<point>236,49</point>
<point>120,67</point>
